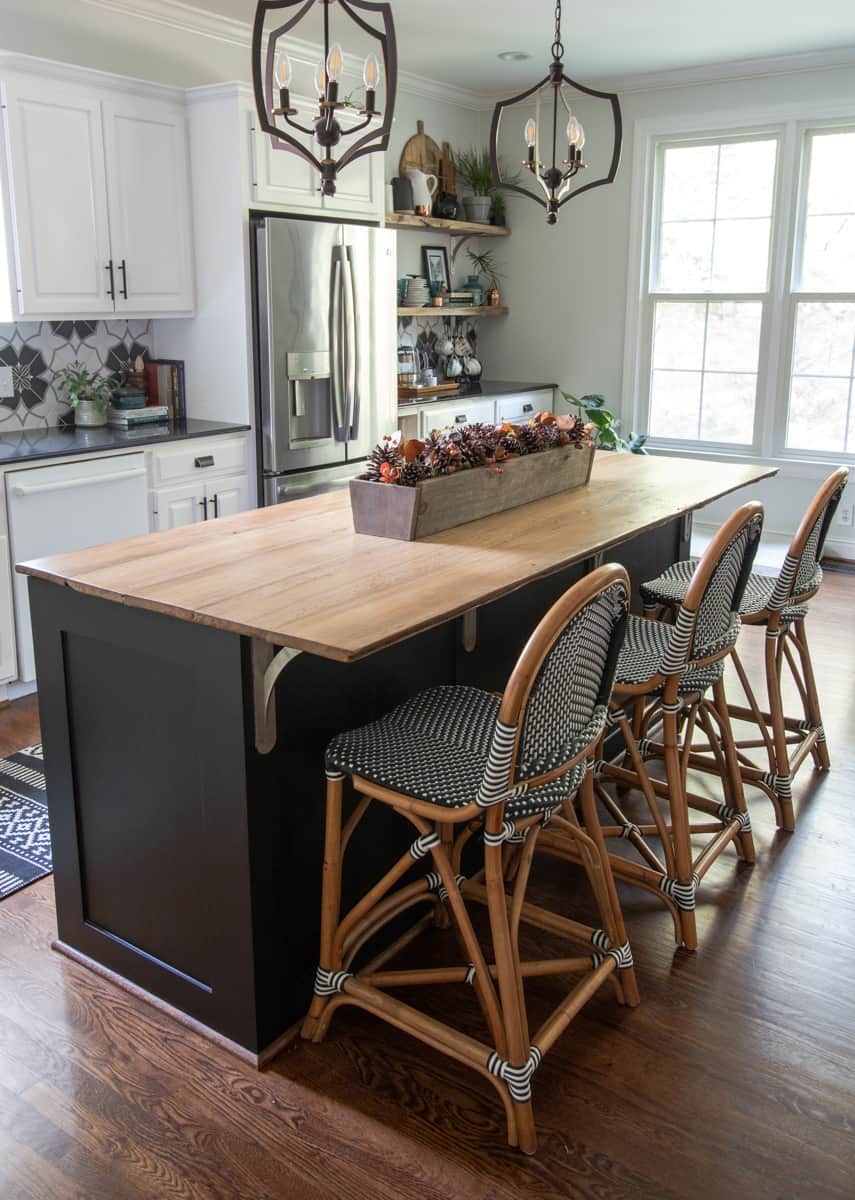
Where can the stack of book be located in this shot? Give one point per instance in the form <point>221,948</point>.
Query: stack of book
<point>130,411</point>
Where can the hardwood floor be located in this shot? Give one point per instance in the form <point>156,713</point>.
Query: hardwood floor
<point>735,1076</point>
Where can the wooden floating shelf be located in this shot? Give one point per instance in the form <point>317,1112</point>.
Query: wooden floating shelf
<point>464,228</point>
<point>456,310</point>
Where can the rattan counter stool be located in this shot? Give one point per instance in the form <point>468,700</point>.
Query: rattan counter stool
<point>780,605</point>
<point>459,763</point>
<point>666,673</point>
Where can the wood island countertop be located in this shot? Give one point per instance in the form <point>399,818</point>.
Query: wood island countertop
<point>297,575</point>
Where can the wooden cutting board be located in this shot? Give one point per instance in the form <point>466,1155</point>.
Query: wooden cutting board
<point>441,389</point>
<point>420,153</point>
<point>447,171</point>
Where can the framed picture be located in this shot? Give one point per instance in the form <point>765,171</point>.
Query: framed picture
<point>165,379</point>
<point>436,269</point>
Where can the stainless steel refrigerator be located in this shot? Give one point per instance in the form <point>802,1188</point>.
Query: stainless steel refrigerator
<point>325,342</point>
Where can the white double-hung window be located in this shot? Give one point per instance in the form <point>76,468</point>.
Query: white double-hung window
<point>741,338</point>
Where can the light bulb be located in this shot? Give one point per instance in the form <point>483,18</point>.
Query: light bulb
<point>334,62</point>
<point>530,131</point>
<point>575,133</point>
<point>320,79</point>
<point>371,73</point>
<point>283,71</point>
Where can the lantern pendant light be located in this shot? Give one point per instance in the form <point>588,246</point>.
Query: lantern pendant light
<point>564,130</point>
<point>272,79</point>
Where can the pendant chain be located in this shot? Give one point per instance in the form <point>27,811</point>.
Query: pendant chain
<point>557,45</point>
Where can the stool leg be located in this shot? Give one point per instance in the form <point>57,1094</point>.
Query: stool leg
<point>506,953</point>
<point>814,715</point>
<point>330,899</point>
<point>735,791</point>
<point>613,916</point>
<point>681,836</point>
<point>782,781</point>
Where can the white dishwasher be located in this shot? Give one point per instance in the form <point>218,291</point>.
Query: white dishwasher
<point>67,507</point>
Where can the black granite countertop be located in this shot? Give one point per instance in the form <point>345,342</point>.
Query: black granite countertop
<point>54,442</point>
<point>489,389</point>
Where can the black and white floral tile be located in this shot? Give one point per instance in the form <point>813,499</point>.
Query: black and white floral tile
<point>36,350</point>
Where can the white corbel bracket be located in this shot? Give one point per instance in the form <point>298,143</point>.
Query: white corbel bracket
<point>267,665</point>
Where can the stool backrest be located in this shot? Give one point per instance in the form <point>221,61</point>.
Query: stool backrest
<point>800,575</point>
<point>555,704</point>
<point>707,623</point>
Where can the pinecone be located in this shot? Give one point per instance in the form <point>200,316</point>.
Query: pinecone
<point>386,451</point>
<point>508,443</point>
<point>529,439</point>
<point>550,435</point>
<point>443,457</point>
<point>412,473</point>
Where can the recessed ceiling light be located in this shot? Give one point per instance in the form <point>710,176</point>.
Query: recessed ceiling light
<point>514,56</point>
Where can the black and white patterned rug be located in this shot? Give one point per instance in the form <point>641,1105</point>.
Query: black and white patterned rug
<point>24,832</point>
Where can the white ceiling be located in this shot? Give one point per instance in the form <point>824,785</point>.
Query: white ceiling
<point>457,41</point>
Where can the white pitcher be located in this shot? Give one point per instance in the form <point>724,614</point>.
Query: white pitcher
<point>424,187</point>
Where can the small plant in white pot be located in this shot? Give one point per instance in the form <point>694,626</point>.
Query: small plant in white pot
<point>88,393</point>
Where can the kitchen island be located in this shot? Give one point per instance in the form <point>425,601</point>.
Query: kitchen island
<point>190,680</point>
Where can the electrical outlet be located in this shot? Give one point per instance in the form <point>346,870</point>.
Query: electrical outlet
<point>7,387</point>
<point>846,515</point>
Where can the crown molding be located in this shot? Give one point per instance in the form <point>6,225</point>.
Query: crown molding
<point>731,72</point>
<point>50,68</point>
<point>187,18</point>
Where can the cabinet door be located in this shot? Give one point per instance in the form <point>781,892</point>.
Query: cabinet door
<point>283,178</point>
<point>228,496</point>
<point>177,506</point>
<point>359,186</point>
<point>149,204</point>
<point>58,194</point>
<point>459,412</point>
<point>8,663</point>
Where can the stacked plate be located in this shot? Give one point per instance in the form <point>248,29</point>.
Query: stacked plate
<point>418,292</point>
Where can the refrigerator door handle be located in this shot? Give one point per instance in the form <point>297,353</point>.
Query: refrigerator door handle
<point>336,355</point>
<point>351,324</point>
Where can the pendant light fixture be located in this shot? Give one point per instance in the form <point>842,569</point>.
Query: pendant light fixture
<point>272,79</point>
<point>557,128</point>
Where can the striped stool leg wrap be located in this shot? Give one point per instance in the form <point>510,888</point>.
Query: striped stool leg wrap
<point>600,765</point>
<point>676,707</point>
<point>733,814</point>
<point>629,829</point>
<point>621,954</point>
<point>646,747</point>
<point>508,833</point>
<point>329,983</point>
<point>470,974</point>
<point>806,728</point>
<point>424,844</point>
<point>600,939</point>
<point>615,716</point>
<point>335,775</point>
<point>435,884</point>
<point>517,1079</point>
<point>683,894</point>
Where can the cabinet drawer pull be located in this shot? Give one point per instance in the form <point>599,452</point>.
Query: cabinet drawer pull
<point>111,291</point>
<point>216,504</point>
<point>123,267</point>
<point>203,503</point>
<point>460,419</point>
<point>204,460</point>
<point>528,408</point>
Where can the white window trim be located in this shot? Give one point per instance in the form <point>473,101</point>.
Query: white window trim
<point>790,122</point>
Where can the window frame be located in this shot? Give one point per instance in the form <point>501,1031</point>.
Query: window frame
<point>791,125</point>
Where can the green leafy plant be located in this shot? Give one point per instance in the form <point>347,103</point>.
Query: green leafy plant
<point>607,435</point>
<point>473,167</point>
<point>78,383</point>
<point>485,264</point>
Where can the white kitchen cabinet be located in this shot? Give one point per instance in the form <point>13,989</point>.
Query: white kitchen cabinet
<point>57,197</point>
<point>8,661</point>
<point>458,412</point>
<point>149,202</point>
<point>176,506</point>
<point>96,201</point>
<point>283,179</point>
<point>524,405</point>
<point>228,496</point>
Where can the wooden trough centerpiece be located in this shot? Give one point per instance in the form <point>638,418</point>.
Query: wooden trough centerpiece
<point>461,475</point>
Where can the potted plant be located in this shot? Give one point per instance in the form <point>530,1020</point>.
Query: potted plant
<point>474,169</point>
<point>88,392</point>
<point>485,264</point>
<point>606,426</point>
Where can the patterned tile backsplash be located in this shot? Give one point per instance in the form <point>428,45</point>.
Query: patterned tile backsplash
<point>36,350</point>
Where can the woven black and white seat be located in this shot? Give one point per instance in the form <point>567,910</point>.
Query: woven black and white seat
<point>780,603</point>
<point>672,673</point>
<point>459,763</point>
